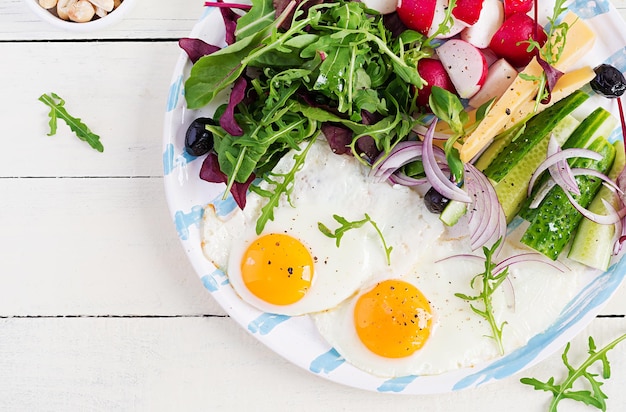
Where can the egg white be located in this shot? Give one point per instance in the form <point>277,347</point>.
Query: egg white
<point>459,337</point>
<point>327,185</point>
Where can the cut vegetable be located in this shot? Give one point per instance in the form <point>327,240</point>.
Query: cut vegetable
<point>556,219</point>
<point>580,38</point>
<point>592,244</point>
<point>512,188</point>
<point>537,128</point>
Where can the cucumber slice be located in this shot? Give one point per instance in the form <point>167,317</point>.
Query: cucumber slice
<point>453,212</point>
<point>512,189</point>
<point>556,219</point>
<point>536,129</point>
<point>592,244</point>
<point>598,123</point>
<point>501,141</point>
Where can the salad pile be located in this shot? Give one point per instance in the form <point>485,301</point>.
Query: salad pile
<point>378,88</point>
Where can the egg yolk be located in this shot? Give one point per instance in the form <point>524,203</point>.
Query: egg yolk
<point>277,268</point>
<point>393,319</point>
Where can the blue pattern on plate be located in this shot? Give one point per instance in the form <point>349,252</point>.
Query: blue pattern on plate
<point>327,362</point>
<point>587,9</point>
<point>396,384</point>
<point>224,207</point>
<point>213,281</point>
<point>596,293</point>
<point>618,59</point>
<point>265,323</point>
<point>174,94</point>
<point>170,161</point>
<point>184,220</point>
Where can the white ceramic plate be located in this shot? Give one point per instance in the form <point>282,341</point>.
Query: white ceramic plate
<point>296,338</point>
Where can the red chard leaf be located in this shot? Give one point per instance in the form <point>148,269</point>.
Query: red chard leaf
<point>227,121</point>
<point>196,48</point>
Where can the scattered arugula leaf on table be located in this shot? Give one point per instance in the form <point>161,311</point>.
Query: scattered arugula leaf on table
<point>347,225</point>
<point>490,282</point>
<point>58,111</point>
<point>594,397</point>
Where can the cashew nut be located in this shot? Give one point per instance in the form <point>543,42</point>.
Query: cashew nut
<point>82,11</point>
<point>47,4</point>
<point>63,7</point>
<point>106,5</point>
<point>100,12</point>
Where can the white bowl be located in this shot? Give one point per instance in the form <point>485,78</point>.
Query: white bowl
<point>97,24</point>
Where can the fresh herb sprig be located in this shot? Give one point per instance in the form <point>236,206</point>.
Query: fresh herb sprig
<point>347,225</point>
<point>448,108</point>
<point>490,281</point>
<point>594,397</point>
<point>281,183</point>
<point>551,50</point>
<point>58,111</point>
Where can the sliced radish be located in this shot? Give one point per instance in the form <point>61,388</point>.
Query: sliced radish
<point>517,6</point>
<point>465,64</point>
<point>425,16</point>
<point>499,77</point>
<point>417,14</point>
<point>468,11</point>
<point>511,39</point>
<point>382,6</point>
<point>439,17</point>
<point>433,72</point>
<point>490,20</point>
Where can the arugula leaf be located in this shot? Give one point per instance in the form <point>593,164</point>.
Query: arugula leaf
<point>596,397</point>
<point>448,108</point>
<point>282,183</point>
<point>346,225</point>
<point>257,19</point>
<point>57,110</point>
<point>489,283</point>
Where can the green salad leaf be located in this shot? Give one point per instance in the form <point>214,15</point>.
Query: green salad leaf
<point>58,111</point>
<point>489,282</point>
<point>346,225</point>
<point>593,397</point>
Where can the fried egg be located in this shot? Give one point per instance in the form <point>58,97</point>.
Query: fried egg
<point>389,318</point>
<point>415,325</point>
<point>292,268</point>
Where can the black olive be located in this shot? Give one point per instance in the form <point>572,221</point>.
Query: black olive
<point>609,81</point>
<point>198,140</point>
<point>434,201</point>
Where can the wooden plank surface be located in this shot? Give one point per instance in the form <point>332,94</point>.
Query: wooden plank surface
<point>99,307</point>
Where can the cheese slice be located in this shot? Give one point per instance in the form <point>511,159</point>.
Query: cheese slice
<point>565,86</point>
<point>580,39</point>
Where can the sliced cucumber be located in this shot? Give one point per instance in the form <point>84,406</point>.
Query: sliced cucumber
<point>501,141</point>
<point>598,123</point>
<point>536,129</point>
<point>512,189</point>
<point>453,212</point>
<point>556,219</point>
<point>592,244</point>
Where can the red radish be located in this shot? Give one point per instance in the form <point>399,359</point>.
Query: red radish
<point>433,72</point>
<point>417,14</point>
<point>468,11</point>
<point>440,15</point>
<point>511,39</point>
<point>499,77</point>
<point>425,16</point>
<point>465,64</point>
<point>382,6</point>
<point>517,6</point>
<point>490,20</point>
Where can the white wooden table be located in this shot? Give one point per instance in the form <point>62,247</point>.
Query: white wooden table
<point>99,307</point>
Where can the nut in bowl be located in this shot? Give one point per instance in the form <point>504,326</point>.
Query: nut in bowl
<point>80,15</point>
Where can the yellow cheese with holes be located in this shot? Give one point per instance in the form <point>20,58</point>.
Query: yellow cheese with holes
<point>580,39</point>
